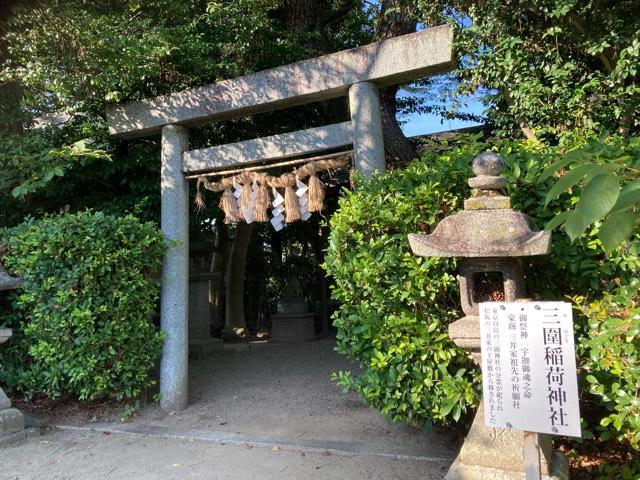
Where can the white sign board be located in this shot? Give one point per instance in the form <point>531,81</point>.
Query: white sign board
<point>529,376</point>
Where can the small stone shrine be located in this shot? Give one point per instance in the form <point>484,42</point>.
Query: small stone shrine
<point>293,322</point>
<point>11,419</point>
<point>201,343</point>
<point>488,237</point>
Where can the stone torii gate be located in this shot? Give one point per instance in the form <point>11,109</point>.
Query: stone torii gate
<point>356,73</point>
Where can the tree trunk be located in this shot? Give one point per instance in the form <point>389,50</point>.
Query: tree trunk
<point>234,318</point>
<point>300,16</point>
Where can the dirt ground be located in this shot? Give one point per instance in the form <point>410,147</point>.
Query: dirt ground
<point>257,411</point>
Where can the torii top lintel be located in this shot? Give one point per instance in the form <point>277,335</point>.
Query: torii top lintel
<point>388,62</point>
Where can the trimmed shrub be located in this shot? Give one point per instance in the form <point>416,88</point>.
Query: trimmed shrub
<point>84,314</point>
<point>396,307</point>
<point>610,355</point>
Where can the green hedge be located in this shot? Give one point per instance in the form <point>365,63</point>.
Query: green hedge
<point>83,317</point>
<point>395,307</point>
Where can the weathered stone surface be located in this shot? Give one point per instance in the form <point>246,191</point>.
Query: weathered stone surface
<point>466,333</point>
<point>293,327</point>
<point>174,308</point>
<point>5,334</point>
<point>388,62</point>
<point>482,233</point>
<point>201,344</point>
<point>488,163</point>
<point>487,182</point>
<point>8,282</point>
<point>11,420</point>
<point>558,470</point>
<point>495,450</point>
<point>276,147</point>
<point>368,140</point>
<point>12,439</point>
<point>4,400</point>
<point>292,301</point>
<point>485,202</point>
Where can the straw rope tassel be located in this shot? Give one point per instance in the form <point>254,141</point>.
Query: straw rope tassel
<point>245,197</point>
<point>262,201</point>
<point>229,206</point>
<point>291,205</point>
<point>316,194</point>
<point>199,200</point>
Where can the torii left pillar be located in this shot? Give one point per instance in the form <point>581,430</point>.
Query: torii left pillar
<point>174,293</point>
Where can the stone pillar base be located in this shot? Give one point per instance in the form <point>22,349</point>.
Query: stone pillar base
<point>558,470</point>
<point>202,348</point>
<point>11,421</point>
<point>293,327</point>
<point>496,453</point>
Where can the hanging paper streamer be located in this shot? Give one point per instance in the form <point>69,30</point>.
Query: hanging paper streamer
<point>247,202</point>
<point>303,200</point>
<point>277,219</point>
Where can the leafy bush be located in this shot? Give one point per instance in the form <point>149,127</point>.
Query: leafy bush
<point>610,353</point>
<point>86,306</point>
<point>396,307</point>
<point>600,167</point>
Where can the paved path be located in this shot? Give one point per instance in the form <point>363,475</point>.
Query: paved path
<point>65,455</point>
<point>257,412</point>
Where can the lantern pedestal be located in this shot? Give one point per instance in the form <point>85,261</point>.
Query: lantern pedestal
<point>11,419</point>
<point>496,453</point>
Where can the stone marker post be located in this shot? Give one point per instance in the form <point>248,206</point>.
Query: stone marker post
<point>488,236</point>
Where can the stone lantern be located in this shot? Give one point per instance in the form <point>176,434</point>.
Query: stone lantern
<point>11,419</point>
<point>489,238</point>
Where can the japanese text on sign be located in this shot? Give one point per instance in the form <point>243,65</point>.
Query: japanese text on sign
<point>529,367</point>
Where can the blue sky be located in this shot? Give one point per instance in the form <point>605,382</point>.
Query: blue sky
<point>421,124</point>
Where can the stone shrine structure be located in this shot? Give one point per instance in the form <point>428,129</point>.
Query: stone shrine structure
<point>356,74</point>
<point>11,419</point>
<point>201,343</point>
<point>488,236</point>
<point>293,322</point>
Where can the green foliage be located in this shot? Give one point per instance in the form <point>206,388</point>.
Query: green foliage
<point>607,173</point>
<point>396,307</point>
<point>551,67</point>
<point>28,163</point>
<point>610,354</point>
<point>85,309</point>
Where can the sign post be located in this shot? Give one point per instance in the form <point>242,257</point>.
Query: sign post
<point>529,372</point>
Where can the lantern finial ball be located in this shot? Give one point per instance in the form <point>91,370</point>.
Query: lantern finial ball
<point>489,164</point>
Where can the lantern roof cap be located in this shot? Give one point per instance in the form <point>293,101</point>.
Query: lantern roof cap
<point>488,226</point>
